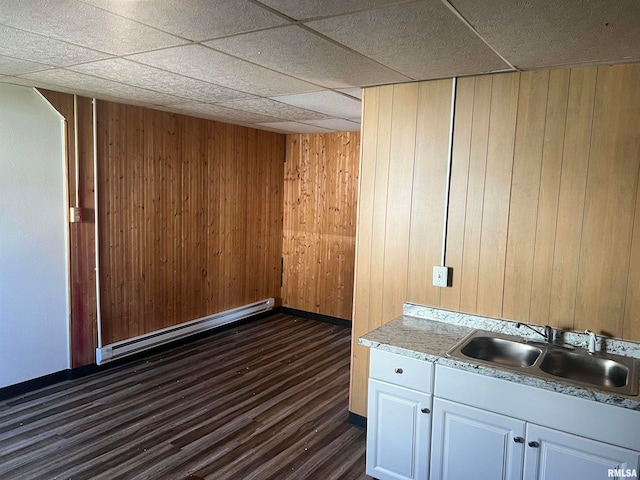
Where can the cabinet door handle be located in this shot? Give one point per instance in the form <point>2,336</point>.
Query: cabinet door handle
<point>425,410</point>
<point>534,444</point>
<point>518,439</point>
<point>398,370</point>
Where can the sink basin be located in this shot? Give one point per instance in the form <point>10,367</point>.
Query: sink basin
<point>604,371</point>
<point>501,351</point>
<point>593,370</point>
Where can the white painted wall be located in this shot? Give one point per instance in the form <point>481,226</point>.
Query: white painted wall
<point>34,307</point>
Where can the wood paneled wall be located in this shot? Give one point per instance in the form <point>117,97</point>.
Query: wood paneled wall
<point>544,220</point>
<point>83,332</point>
<point>190,218</point>
<point>320,196</point>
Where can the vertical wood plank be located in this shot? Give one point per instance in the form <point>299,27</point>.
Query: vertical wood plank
<point>611,192</point>
<point>321,175</point>
<point>450,297</point>
<point>475,193</point>
<point>495,214</point>
<point>380,206</point>
<point>398,218</point>
<point>631,324</point>
<point>428,190</point>
<point>551,168</point>
<point>363,252</point>
<point>575,160</point>
<point>525,188</point>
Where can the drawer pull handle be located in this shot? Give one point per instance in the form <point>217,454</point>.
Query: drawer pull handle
<point>518,439</point>
<point>534,444</point>
<point>398,370</point>
<point>425,410</point>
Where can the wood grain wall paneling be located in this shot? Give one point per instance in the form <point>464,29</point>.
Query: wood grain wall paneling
<point>320,202</point>
<point>497,192</point>
<point>83,327</point>
<point>364,244</point>
<point>573,180</point>
<point>479,134</point>
<point>547,209</point>
<point>610,200</point>
<point>525,192</point>
<point>395,263</point>
<point>429,189</point>
<point>543,220</point>
<point>190,218</point>
<point>460,170</point>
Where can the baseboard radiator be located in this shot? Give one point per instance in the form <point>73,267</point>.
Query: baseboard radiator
<point>138,344</point>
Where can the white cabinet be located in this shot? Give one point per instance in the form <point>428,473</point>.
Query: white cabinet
<point>399,417</point>
<point>470,442</point>
<point>445,423</point>
<point>488,428</point>
<point>397,432</point>
<point>551,454</point>
<point>473,443</point>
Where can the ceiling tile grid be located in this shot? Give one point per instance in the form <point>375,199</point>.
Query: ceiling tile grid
<point>195,20</point>
<point>37,48</point>
<point>294,65</point>
<point>139,75</point>
<point>81,24</point>
<point>428,41</point>
<point>202,63</point>
<point>302,54</point>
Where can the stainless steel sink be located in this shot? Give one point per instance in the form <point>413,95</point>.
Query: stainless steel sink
<point>501,351</point>
<point>609,372</point>
<point>596,370</point>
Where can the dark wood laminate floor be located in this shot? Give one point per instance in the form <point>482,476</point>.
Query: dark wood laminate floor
<point>266,400</point>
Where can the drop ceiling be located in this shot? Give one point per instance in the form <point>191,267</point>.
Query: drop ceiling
<point>294,65</point>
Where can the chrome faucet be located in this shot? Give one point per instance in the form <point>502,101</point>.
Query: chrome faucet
<point>593,342</point>
<point>549,334</point>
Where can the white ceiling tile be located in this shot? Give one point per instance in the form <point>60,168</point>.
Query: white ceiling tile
<point>218,112</point>
<point>36,48</point>
<point>336,124</point>
<point>102,88</point>
<point>305,9</point>
<point>16,66</point>
<point>327,102</point>
<point>202,63</point>
<point>427,40</point>
<point>548,33</point>
<point>196,20</point>
<point>136,74</point>
<point>85,25</point>
<point>352,92</point>
<point>293,127</point>
<point>265,106</point>
<point>302,54</point>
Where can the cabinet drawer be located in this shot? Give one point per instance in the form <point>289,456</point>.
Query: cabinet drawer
<point>400,370</point>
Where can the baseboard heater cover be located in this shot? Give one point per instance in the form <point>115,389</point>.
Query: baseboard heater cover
<point>138,344</point>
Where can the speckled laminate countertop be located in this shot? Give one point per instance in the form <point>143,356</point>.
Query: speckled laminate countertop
<point>430,340</point>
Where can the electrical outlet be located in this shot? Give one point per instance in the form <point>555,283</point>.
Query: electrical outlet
<point>440,276</point>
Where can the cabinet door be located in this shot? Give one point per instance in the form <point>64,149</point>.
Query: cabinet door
<point>557,454</point>
<point>398,432</point>
<point>473,443</point>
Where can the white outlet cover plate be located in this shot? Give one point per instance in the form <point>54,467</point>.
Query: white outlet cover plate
<point>440,276</point>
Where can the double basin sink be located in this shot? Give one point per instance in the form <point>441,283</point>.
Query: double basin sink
<point>613,373</point>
